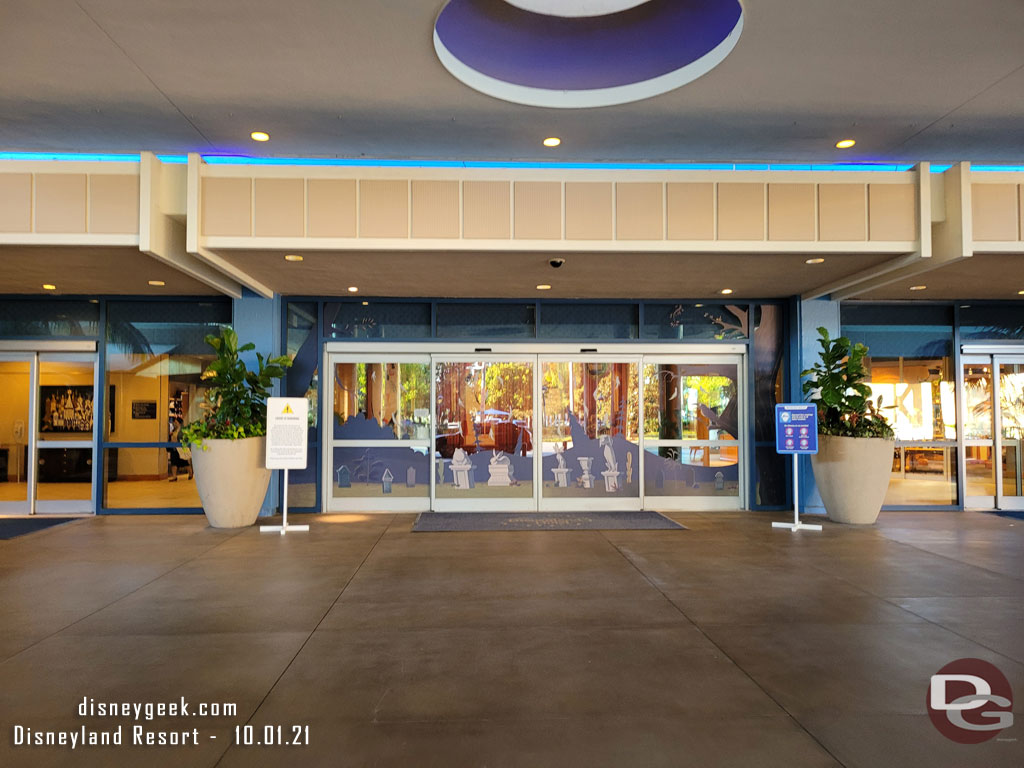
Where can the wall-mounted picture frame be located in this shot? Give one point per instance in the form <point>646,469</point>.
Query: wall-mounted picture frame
<point>68,409</point>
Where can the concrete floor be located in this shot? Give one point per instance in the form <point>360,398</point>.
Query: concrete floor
<point>730,644</point>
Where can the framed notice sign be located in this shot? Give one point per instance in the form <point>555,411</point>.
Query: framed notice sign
<point>287,423</point>
<point>796,428</point>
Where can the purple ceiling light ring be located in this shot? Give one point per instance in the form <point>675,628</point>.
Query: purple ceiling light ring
<point>593,61</point>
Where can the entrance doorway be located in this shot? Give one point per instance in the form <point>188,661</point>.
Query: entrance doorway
<point>48,431</point>
<point>993,406</point>
<point>451,428</point>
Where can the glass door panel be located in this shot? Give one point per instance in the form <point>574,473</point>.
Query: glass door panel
<point>590,409</point>
<point>979,445</point>
<point>1011,431</point>
<point>483,447</point>
<point>66,433</point>
<point>15,388</point>
<point>692,432</point>
<point>379,433</point>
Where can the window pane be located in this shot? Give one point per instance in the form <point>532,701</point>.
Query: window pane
<point>910,365</point>
<point>148,478</point>
<point>381,401</point>
<point>14,427</point>
<point>987,321</point>
<point>156,353</point>
<point>922,476</point>
<point>588,321</point>
<point>484,321</point>
<point>376,320</point>
<point>692,471</point>
<point>695,321</point>
<point>49,318</point>
<point>690,402</point>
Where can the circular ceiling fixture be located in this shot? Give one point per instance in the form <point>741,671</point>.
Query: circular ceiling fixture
<point>572,54</point>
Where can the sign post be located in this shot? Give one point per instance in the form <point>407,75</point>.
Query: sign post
<point>287,424</point>
<point>796,432</point>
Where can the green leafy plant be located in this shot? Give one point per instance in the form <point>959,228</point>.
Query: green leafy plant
<point>235,405</point>
<point>836,384</point>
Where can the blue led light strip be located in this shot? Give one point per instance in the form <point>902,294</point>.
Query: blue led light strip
<point>384,163</point>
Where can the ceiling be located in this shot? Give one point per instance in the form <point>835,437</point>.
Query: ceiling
<point>516,275</point>
<point>939,80</point>
<point>88,271</point>
<point>982,276</point>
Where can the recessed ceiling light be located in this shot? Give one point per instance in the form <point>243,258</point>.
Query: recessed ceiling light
<point>543,287</point>
<point>726,291</point>
<point>814,261</point>
<point>353,289</point>
<point>698,305</point>
<point>552,141</point>
<point>1020,293</point>
<point>366,303</point>
<point>48,287</point>
<point>292,257</point>
<point>918,287</point>
<point>845,143</point>
<point>94,301</point>
<point>157,283</point>
<point>259,136</point>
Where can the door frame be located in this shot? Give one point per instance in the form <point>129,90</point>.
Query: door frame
<point>367,351</point>
<point>992,355</point>
<point>36,352</point>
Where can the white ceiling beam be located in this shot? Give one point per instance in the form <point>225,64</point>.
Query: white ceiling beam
<point>843,283</point>
<point>194,241</point>
<point>163,239</point>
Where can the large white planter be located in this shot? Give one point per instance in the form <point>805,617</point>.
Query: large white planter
<point>852,475</point>
<point>231,480</point>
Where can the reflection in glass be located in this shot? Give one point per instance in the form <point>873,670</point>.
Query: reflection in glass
<point>14,426</point>
<point>1011,424</point>
<point>980,470</point>
<point>376,320</point>
<point>690,402</point>
<point>977,402</point>
<point>381,401</point>
<point>591,429</point>
<point>365,472</point>
<point>484,441</point>
<point>694,321</point>
<point>923,475</point>
<point>710,470</point>
<point>767,361</point>
<point>64,474</point>
<point>148,478</point>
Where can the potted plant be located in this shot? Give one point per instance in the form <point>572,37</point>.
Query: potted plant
<point>855,445</point>
<point>229,467</point>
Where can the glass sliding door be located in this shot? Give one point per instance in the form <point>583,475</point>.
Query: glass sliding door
<point>1010,431</point>
<point>15,434</point>
<point>693,433</point>
<point>67,430</point>
<point>484,427</point>
<point>590,427</point>
<point>993,398</point>
<point>377,433</point>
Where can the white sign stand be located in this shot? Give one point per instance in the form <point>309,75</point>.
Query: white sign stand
<point>287,424</point>
<point>796,525</point>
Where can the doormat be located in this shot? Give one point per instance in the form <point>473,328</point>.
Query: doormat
<point>12,527</point>
<point>437,522</point>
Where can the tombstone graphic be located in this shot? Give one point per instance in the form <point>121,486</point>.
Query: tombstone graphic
<point>719,481</point>
<point>586,479</point>
<point>410,477</point>
<point>500,470</point>
<point>344,477</point>
<point>386,480</point>
<point>462,470</point>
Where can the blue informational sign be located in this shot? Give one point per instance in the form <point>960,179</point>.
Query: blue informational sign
<point>796,428</point>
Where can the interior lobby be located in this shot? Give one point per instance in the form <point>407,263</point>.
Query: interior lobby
<point>537,257</point>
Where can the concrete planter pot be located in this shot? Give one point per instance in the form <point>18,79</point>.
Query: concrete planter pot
<point>231,480</point>
<point>852,474</point>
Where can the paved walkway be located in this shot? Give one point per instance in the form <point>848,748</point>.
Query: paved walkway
<point>730,644</point>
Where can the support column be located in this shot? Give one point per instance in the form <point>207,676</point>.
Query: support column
<point>813,314</point>
<point>258,320</point>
